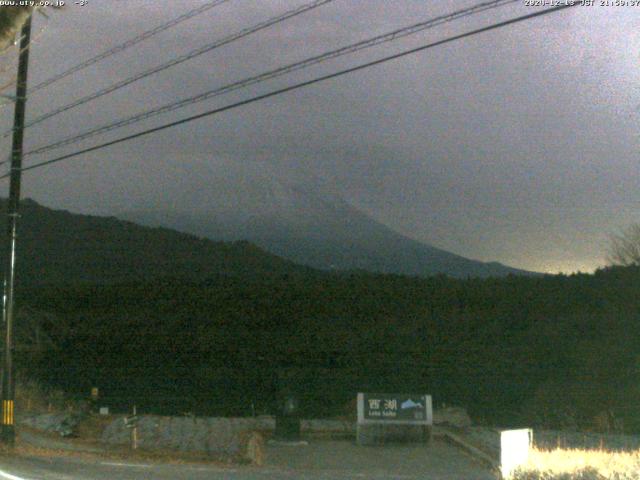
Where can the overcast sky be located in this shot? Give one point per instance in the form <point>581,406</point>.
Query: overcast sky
<point>518,145</point>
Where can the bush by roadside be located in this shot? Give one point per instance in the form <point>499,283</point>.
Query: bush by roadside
<point>32,397</point>
<point>585,474</point>
<point>561,464</point>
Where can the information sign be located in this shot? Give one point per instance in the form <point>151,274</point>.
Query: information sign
<point>394,408</point>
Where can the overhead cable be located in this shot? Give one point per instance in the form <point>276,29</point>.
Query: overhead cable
<point>301,85</point>
<point>176,61</point>
<point>361,45</point>
<point>128,44</point>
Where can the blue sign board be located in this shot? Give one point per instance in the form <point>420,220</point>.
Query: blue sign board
<point>394,408</point>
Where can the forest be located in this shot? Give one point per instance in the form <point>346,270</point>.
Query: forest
<point>543,350</point>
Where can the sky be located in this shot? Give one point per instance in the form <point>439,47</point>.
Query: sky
<point>518,145</point>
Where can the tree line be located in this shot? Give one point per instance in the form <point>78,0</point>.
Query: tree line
<point>551,350</point>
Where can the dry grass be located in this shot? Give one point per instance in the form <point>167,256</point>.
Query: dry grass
<point>253,448</point>
<point>31,397</point>
<point>561,464</point>
<point>119,453</point>
<point>88,435</point>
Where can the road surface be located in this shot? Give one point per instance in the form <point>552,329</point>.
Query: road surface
<point>328,460</point>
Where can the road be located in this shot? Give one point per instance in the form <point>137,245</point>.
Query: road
<point>317,461</point>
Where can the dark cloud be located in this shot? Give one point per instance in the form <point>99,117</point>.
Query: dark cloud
<point>518,145</point>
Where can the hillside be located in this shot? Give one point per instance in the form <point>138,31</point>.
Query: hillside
<point>518,351</point>
<point>56,246</point>
<point>310,225</point>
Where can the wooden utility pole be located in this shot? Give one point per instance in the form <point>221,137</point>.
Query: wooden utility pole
<point>7,432</point>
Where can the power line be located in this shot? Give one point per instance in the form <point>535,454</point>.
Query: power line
<point>361,45</point>
<point>183,58</point>
<point>129,43</point>
<point>301,85</point>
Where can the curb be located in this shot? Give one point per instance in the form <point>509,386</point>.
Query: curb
<point>474,451</point>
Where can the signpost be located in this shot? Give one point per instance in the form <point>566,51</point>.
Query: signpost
<point>288,426</point>
<point>375,410</point>
<point>131,422</point>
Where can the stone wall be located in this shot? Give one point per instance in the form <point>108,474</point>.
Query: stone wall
<point>187,434</point>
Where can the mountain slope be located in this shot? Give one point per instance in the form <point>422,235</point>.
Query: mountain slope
<point>310,226</point>
<point>55,246</point>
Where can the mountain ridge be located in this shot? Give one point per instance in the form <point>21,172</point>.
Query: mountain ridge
<point>317,229</point>
<point>57,246</point>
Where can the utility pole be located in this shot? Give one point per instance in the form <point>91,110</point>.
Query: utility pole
<point>7,432</point>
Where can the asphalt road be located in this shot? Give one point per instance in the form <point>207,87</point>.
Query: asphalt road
<point>319,460</point>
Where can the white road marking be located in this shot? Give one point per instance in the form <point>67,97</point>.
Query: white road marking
<point>133,465</point>
<point>8,476</point>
